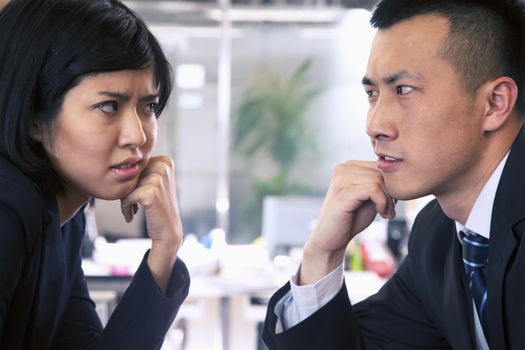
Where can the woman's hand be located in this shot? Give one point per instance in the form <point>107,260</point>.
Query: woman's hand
<point>156,193</point>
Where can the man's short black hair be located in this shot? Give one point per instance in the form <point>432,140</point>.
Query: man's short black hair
<point>486,38</point>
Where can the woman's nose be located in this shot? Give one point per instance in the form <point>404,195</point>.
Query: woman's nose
<point>132,133</point>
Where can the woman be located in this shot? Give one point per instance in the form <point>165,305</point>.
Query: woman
<point>81,85</point>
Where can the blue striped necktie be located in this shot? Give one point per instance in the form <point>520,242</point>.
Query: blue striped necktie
<point>475,258</point>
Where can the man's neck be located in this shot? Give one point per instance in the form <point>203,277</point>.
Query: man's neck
<point>457,203</point>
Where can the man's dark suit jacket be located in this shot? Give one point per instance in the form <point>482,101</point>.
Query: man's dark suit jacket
<point>44,301</point>
<point>425,304</point>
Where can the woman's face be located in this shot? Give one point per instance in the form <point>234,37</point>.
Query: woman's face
<point>103,137</point>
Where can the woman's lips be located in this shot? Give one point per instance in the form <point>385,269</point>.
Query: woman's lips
<point>127,170</point>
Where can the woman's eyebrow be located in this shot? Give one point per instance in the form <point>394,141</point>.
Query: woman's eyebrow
<point>126,97</point>
<point>117,95</point>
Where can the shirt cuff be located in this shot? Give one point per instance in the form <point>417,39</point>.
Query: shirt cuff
<point>302,301</point>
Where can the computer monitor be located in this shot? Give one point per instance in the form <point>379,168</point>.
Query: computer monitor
<point>288,220</point>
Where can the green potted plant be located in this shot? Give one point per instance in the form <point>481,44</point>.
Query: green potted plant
<point>271,121</point>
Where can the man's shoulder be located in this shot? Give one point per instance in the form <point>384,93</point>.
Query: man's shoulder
<point>431,211</point>
<point>432,229</point>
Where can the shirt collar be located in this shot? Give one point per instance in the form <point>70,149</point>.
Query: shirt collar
<point>481,214</point>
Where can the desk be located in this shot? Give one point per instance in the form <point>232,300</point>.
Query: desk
<point>225,311</point>
<point>217,304</point>
<point>219,313</point>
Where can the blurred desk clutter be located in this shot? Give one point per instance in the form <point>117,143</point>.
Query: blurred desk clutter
<point>231,283</point>
<point>229,289</point>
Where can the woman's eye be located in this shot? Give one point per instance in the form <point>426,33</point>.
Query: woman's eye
<point>152,107</point>
<point>404,89</point>
<point>108,107</point>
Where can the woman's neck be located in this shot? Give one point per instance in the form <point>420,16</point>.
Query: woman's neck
<point>68,205</point>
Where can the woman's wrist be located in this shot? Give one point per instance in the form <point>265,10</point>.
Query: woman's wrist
<point>160,261</point>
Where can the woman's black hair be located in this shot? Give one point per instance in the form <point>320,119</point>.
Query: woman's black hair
<point>49,46</point>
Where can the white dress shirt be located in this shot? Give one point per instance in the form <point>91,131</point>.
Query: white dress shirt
<point>302,301</point>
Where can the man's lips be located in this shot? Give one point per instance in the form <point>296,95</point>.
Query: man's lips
<point>389,159</point>
<point>388,163</point>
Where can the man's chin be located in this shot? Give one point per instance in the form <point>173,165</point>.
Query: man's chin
<point>401,193</point>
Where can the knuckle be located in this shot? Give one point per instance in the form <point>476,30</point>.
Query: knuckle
<point>339,168</point>
<point>376,187</point>
<point>152,180</point>
<point>156,179</point>
<point>346,167</point>
<point>378,176</point>
<point>339,186</point>
<point>167,164</point>
<point>150,193</point>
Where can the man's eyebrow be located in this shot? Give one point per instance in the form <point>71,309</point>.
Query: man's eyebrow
<point>367,81</point>
<point>392,78</point>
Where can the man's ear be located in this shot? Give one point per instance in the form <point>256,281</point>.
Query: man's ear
<point>500,97</point>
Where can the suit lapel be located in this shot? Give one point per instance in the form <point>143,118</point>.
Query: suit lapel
<point>501,249</point>
<point>456,304</point>
<point>508,210</point>
<point>51,282</point>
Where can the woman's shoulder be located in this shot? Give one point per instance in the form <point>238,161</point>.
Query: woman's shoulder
<point>12,179</point>
<point>18,193</point>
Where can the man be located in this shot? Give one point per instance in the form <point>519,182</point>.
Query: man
<point>444,82</point>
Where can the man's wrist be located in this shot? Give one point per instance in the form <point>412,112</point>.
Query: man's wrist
<point>317,263</point>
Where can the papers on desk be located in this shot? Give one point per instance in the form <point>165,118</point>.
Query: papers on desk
<point>123,257</point>
<point>230,269</point>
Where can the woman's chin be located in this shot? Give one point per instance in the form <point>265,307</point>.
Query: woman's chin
<point>116,193</point>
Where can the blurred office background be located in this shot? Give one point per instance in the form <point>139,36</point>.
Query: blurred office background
<point>267,100</point>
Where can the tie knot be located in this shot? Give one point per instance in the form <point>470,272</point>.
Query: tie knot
<point>475,249</point>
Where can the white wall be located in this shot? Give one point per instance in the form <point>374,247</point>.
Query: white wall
<point>339,55</point>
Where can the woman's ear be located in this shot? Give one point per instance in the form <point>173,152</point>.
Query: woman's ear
<point>35,131</point>
<point>500,96</point>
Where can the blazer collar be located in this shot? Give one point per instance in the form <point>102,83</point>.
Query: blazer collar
<point>507,211</point>
<point>510,196</point>
<point>49,300</point>
<point>456,300</point>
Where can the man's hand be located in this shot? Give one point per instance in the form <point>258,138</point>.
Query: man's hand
<point>157,194</point>
<point>356,194</point>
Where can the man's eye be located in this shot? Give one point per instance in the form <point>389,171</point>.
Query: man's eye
<point>404,89</point>
<point>108,106</point>
<point>371,93</point>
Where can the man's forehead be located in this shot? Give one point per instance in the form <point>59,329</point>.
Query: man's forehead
<point>416,30</point>
<point>400,50</point>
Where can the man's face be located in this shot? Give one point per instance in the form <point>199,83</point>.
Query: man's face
<point>424,126</point>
